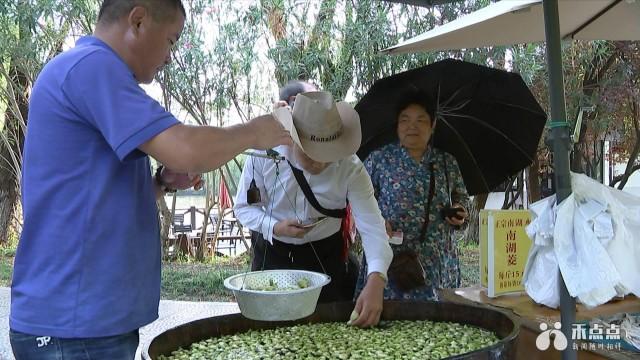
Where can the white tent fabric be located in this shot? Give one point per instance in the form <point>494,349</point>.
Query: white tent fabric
<point>522,21</point>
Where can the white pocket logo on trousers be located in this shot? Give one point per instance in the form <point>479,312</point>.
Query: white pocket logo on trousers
<point>43,340</point>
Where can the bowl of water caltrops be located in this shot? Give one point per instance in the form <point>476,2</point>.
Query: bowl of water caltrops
<point>277,295</point>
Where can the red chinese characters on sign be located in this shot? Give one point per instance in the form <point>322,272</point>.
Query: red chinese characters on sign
<point>511,248</point>
<point>509,279</point>
<point>509,284</point>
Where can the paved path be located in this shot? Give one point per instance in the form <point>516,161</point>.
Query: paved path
<point>172,314</point>
<point>5,300</point>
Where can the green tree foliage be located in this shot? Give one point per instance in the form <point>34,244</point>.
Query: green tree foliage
<point>215,64</point>
<point>620,107</point>
<point>31,33</point>
<point>599,79</point>
<point>337,43</point>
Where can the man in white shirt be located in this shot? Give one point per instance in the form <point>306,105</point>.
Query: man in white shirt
<point>326,136</point>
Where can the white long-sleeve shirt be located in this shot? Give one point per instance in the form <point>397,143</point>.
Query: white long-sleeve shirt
<point>283,199</point>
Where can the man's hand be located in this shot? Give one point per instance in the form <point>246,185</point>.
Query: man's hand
<point>279,104</point>
<point>268,132</point>
<point>290,228</point>
<point>180,181</point>
<point>369,303</point>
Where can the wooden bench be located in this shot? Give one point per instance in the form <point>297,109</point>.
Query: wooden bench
<point>232,239</point>
<point>181,229</point>
<point>178,219</point>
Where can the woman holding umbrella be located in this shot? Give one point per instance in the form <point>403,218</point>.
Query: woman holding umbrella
<point>422,196</point>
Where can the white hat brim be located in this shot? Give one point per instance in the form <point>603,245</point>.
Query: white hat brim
<point>283,115</point>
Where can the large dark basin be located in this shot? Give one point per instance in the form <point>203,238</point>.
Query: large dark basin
<point>505,326</point>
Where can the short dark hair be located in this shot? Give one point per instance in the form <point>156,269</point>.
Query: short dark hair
<point>161,10</point>
<point>416,97</point>
<point>293,88</point>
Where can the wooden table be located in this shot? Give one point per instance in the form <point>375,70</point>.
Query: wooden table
<point>531,315</point>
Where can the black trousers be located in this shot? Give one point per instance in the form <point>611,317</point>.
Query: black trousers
<point>281,255</point>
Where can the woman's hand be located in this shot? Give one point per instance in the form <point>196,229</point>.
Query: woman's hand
<point>462,215</point>
<point>387,226</point>
<point>369,303</point>
<point>290,228</point>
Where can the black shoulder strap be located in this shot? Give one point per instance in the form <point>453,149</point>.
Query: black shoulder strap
<point>432,181</point>
<point>308,193</point>
<point>446,175</point>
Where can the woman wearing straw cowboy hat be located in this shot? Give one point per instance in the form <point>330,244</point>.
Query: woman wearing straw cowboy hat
<point>326,137</point>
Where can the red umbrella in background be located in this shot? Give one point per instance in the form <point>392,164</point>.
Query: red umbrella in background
<point>223,196</point>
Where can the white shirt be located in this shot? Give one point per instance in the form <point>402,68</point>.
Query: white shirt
<point>282,199</point>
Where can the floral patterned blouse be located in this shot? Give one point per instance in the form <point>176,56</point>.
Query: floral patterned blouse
<point>402,189</point>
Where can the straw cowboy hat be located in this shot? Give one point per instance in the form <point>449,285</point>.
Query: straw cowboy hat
<point>325,130</point>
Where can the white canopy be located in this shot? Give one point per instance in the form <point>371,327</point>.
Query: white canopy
<point>522,21</point>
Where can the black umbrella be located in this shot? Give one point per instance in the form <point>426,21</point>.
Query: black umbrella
<point>487,118</point>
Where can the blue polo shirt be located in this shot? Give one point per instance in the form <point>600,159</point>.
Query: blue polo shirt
<point>88,261</point>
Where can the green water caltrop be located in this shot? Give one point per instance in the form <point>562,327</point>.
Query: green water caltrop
<point>273,286</point>
<point>400,339</point>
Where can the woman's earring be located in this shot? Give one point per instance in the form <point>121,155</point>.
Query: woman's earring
<point>253,194</point>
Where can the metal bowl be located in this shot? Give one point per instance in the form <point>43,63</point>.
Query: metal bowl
<point>281,305</point>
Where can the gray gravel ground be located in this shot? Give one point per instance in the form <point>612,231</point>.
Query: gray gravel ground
<point>172,313</point>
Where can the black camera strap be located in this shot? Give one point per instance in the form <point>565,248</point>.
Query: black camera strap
<point>446,176</point>
<point>432,183</point>
<point>308,193</point>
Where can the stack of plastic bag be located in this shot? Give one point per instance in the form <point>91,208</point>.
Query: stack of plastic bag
<point>593,237</point>
<point>629,328</point>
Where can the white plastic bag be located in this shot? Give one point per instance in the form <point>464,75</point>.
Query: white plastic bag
<point>586,267</point>
<point>624,247</point>
<point>593,236</point>
<point>540,278</point>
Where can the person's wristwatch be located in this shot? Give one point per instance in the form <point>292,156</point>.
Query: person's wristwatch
<point>158,179</point>
<point>380,275</point>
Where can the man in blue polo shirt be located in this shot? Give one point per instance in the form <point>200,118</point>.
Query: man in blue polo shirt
<point>87,269</point>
